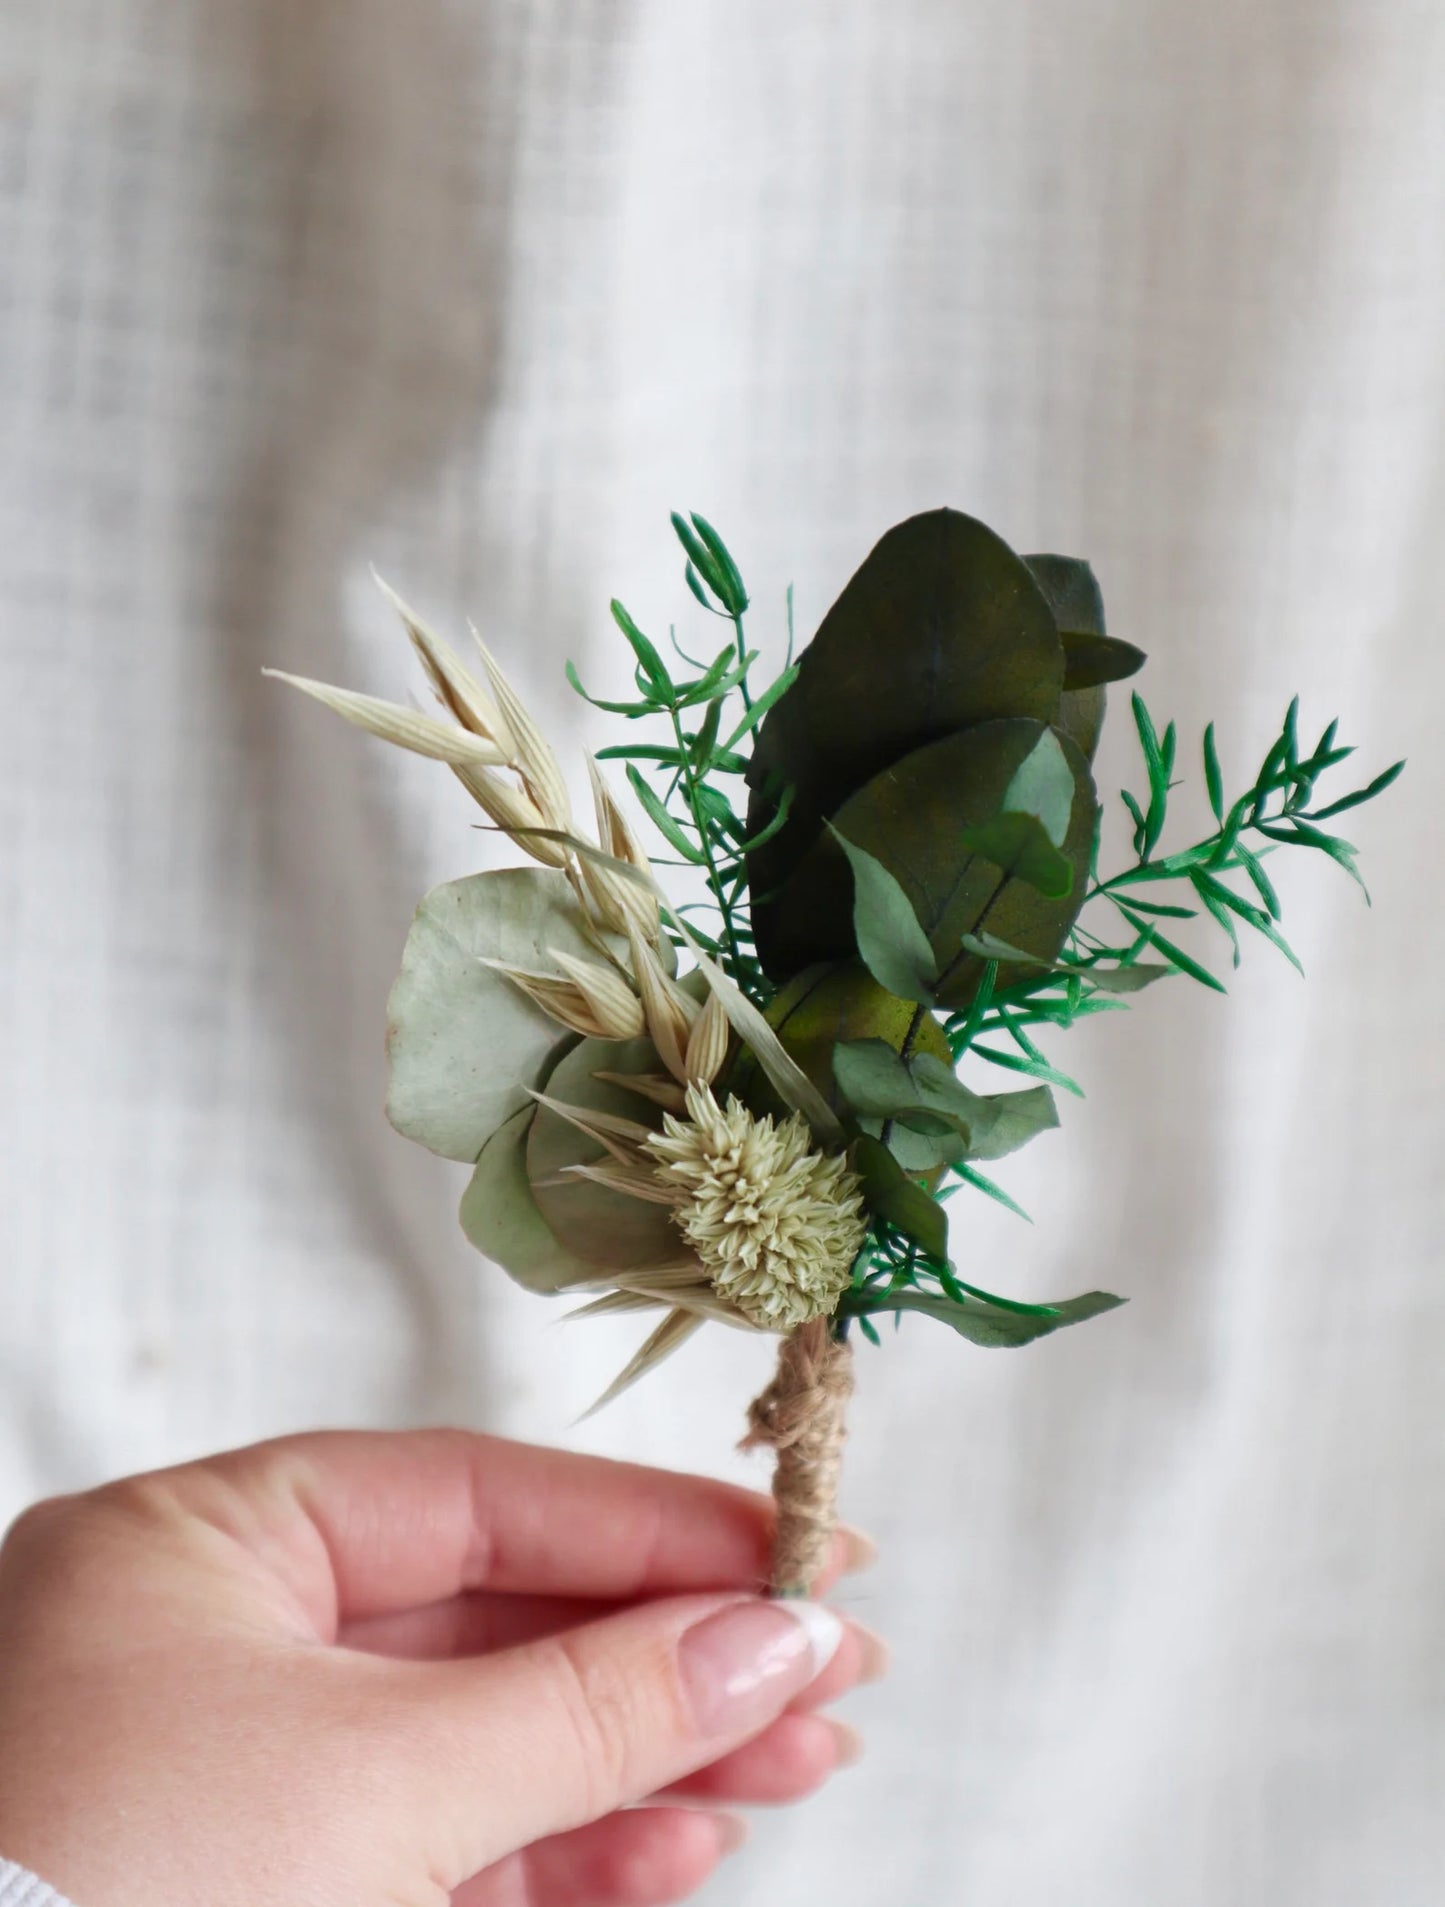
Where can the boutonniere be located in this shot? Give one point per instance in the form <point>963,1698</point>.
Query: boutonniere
<point>739,1074</point>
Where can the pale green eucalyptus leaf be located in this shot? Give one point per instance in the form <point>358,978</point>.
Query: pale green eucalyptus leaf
<point>994,1327</point>
<point>595,1223</point>
<point>1043,786</point>
<point>501,1218</point>
<point>463,1043</point>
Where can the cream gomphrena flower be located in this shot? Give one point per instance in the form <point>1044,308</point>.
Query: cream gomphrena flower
<point>775,1223</point>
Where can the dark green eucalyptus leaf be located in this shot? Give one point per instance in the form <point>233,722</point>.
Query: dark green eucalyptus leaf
<point>1073,593</point>
<point>1091,657</point>
<point>823,1006</point>
<point>1091,661</point>
<point>892,945</point>
<point>888,1191</point>
<point>1081,718</point>
<point>990,1324</point>
<point>1019,845</point>
<point>942,627</point>
<point>913,819</point>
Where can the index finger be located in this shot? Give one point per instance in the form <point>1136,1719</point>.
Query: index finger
<point>361,1524</point>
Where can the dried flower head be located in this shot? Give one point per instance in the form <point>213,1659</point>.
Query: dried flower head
<point>775,1223</point>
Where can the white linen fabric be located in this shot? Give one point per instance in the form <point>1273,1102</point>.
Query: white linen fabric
<point>478,294</point>
<point>20,1888</point>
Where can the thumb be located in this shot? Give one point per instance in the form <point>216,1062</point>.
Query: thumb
<point>563,1730</point>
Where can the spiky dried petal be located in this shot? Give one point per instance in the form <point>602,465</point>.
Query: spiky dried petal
<point>670,1012</point>
<point>454,683</point>
<point>707,1044</point>
<point>514,812</point>
<point>403,727</point>
<point>657,1087</point>
<point>533,755</point>
<point>617,1007</point>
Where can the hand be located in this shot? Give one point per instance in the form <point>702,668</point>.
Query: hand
<point>393,1671</point>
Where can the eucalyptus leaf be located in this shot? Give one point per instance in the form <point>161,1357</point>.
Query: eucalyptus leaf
<point>914,819</point>
<point>995,1123</point>
<point>501,1217</point>
<point>605,1228</point>
<point>821,1007</point>
<point>1131,979</point>
<point>1019,844</point>
<point>889,1191</point>
<point>891,944</point>
<point>993,1326</point>
<point>1043,786</point>
<point>942,627</point>
<point>463,1043</point>
<point>1073,593</point>
<point>874,1078</point>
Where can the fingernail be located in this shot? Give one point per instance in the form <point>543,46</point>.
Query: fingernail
<point>874,1654</point>
<point>859,1551</point>
<point>849,1745</point>
<point>732,1831</point>
<point>741,1666</point>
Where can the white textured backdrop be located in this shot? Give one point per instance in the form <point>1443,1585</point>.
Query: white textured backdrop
<point>478,292</point>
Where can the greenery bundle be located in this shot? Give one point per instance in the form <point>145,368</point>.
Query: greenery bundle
<point>749,1107</point>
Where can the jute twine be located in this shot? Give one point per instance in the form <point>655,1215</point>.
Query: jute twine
<point>801,1417</point>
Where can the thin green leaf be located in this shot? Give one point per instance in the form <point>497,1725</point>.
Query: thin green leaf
<point>1175,955</point>
<point>691,578</point>
<point>633,709</point>
<point>629,751</point>
<point>775,689</point>
<point>1213,780</point>
<point>736,597</point>
<point>1264,886</point>
<point>981,1183</point>
<point>698,555</point>
<point>1136,815</point>
<point>1024,1063</point>
<point>1376,787</point>
<point>652,663</point>
<point>1166,908</point>
<point>663,821</point>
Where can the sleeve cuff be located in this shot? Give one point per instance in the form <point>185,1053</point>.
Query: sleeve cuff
<point>20,1888</point>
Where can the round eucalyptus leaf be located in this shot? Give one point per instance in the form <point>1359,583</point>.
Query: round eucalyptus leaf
<point>1081,717</point>
<point>608,1229</point>
<point>823,1007</point>
<point>500,1216</point>
<point>463,1043</point>
<point>913,818</point>
<point>942,627</point>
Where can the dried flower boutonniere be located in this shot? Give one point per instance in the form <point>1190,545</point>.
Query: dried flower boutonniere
<point>750,1106</point>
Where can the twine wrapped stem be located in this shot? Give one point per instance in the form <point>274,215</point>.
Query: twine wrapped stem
<point>801,1417</point>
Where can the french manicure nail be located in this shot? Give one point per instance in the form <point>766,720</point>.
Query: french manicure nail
<point>732,1831</point>
<point>874,1654</point>
<point>859,1551</point>
<point>741,1666</point>
<point>849,1745</point>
